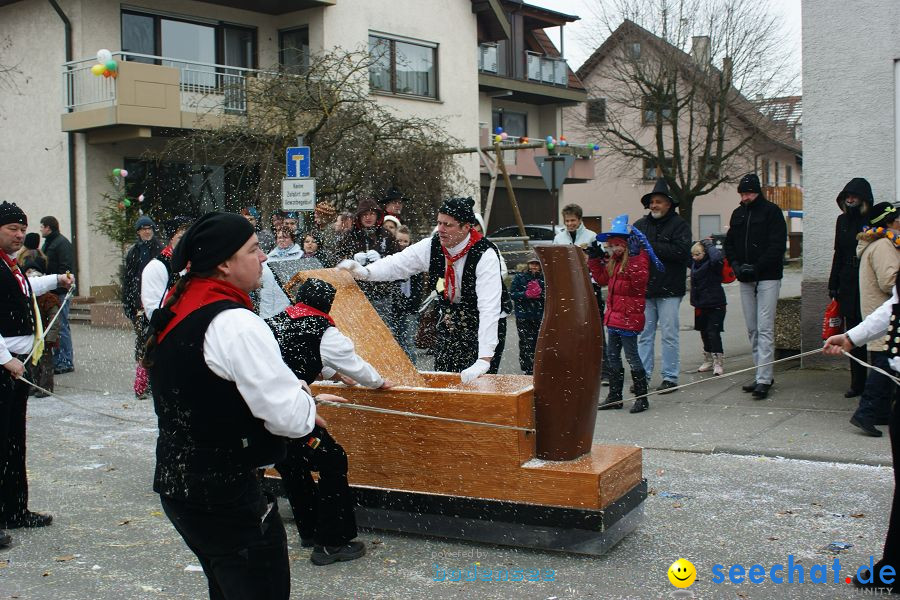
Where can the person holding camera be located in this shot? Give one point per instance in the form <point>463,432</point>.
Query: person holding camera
<point>755,246</point>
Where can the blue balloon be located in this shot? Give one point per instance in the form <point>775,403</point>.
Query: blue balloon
<point>549,139</point>
<point>498,130</point>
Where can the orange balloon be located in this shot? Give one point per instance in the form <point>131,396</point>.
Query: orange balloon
<point>107,73</point>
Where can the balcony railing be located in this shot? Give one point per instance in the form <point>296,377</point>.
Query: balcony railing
<point>204,86</point>
<point>787,197</point>
<point>540,68</point>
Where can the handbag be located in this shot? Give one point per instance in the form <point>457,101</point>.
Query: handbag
<point>832,322</point>
<point>426,332</point>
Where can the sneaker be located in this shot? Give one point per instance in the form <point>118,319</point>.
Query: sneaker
<point>5,539</point>
<point>27,519</point>
<point>63,370</point>
<point>718,364</point>
<point>666,387</point>
<point>325,555</point>
<point>707,364</point>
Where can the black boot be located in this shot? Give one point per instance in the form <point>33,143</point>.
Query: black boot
<point>640,391</point>
<point>616,383</point>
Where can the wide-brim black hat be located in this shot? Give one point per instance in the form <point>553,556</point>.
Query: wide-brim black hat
<point>660,188</point>
<point>392,195</point>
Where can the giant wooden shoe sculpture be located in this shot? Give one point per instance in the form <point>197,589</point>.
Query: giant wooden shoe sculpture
<point>524,471</point>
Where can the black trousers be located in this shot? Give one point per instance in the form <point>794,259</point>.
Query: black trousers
<point>240,543</point>
<point>457,346</point>
<point>13,482</point>
<point>892,540</point>
<point>323,511</point>
<point>528,333</point>
<point>858,373</point>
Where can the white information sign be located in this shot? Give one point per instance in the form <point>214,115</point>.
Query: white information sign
<point>298,194</point>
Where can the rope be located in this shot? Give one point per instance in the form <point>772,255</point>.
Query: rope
<point>873,367</point>
<point>52,322</point>
<point>73,404</point>
<point>403,413</point>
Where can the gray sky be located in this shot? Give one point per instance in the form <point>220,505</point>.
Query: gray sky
<point>577,53</point>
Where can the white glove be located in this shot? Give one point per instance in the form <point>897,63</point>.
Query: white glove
<point>361,258</point>
<point>478,368</point>
<point>372,255</point>
<point>357,270</point>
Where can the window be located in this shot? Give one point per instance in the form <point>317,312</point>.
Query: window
<point>652,171</point>
<point>788,175</point>
<point>654,106</point>
<point>293,50</point>
<point>633,49</point>
<point>513,123</point>
<point>776,172</point>
<point>764,167</point>
<point>402,67</point>
<point>596,111</point>
<point>709,225</point>
<point>184,43</point>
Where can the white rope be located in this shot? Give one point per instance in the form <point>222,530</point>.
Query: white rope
<point>873,367</point>
<point>52,321</point>
<point>84,408</point>
<point>403,413</point>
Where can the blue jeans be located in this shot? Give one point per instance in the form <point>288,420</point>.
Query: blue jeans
<point>614,355</point>
<point>62,356</point>
<point>664,313</point>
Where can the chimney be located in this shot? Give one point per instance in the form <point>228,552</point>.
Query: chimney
<point>700,49</point>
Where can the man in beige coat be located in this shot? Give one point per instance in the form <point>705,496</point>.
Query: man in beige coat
<point>879,260</point>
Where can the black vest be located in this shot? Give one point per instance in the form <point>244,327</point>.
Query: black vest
<point>208,438</point>
<point>300,340</point>
<point>16,310</point>
<point>468,295</point>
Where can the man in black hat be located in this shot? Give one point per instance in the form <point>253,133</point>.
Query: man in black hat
<point>311,345</point>
<point>393,203</point>
<point>464,269</point>
<point>224,407</point>
<point>670,237</point>
<point>18,320</point>
<point>755,246</point>
<point>158,277</point>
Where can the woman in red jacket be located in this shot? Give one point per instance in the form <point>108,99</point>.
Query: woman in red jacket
<point>625,272</point>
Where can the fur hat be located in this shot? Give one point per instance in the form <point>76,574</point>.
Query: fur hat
<point>461,209</point>
<point>316,293</point>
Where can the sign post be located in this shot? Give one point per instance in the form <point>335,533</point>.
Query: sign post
<point>553,171</point>
<point>297,159</point>
<point>298,194</point>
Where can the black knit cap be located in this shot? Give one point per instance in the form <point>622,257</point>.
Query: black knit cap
<point>10,213</point>
<point>316,293</point>
<point>461,209</point>
<point>32,240</point>
<point>749,184</point>
<point>210,241</point>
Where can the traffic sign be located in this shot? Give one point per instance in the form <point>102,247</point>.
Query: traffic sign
<point>554,169</point>
<point>297,161</point>
<point>298,194</point>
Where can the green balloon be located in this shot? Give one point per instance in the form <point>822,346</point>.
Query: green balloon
<point>117,172</point>
<point>551,146</point>
<point>126,202</point>
<point>112,65</point>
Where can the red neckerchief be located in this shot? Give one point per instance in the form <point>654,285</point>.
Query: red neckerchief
<point>167,251</point>
<point>16,271</point>
<point>304,310</point>
<point>449,273</point>
<point>200,292</point>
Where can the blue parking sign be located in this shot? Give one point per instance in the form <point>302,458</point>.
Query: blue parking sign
<point>297,161</point>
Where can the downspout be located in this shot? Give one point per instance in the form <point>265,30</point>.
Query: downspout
<point>73,214</point>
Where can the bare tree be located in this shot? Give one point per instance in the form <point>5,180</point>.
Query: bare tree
<point>9,73</point>
<point>359,146</point>
<point>677,75</point>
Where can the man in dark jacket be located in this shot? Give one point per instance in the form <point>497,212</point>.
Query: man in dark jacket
<point>855,202</point>
<point>61,260</point>
<point>670,238</point>
<point>755,246</point>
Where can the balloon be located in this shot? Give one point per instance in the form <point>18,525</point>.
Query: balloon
<point>562,138</point>
<point>107,73</point>
<point>104,55</point>
<point>97,70</point>
<point>111,65</point>
<point>563,143</point>
<point>114,74</point>
<point>503,136</point>
<point>498,130</point>
<point>497,138</point>
<point>523,140</point>
<point>126,202</point>
<point>123,173</point>
<point>596,147</point>
<point>121,205</point>
<point>549,139</point>
<point>117,172</point>
<point>550,145</point>
<point>141,198</point>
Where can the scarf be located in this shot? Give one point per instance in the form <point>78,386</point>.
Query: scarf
<point>200,291</point>
<point>449,273</point>
<point>884,232</point>
<point>304,310</point>
<point>16,271</point>
<point>167,251</point>
<point>38,322</point>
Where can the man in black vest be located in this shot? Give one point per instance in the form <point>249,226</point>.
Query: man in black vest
<point>17,329</point>
<point>464,268</point>
<point>225,402</point>
<point>311,345</point>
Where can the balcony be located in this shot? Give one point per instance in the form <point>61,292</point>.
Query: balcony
<point>151,91</point>
<point>521,162</point>
<point>541,79</point>
<point>787,197</point>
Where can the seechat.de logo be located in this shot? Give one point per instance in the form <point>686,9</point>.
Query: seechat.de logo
<point>682,573</point>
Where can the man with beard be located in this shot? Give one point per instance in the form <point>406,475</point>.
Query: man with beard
<point>464,268</point>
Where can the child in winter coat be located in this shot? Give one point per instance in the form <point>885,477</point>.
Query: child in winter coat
<point>626,273</point>
<point>527,291</point>
<point>708,300</point>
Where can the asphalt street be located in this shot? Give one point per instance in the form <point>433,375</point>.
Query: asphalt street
<point>732,481</point>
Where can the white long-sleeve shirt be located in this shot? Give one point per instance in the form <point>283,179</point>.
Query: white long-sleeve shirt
<point>339,355</point>
<point>22,344</point>
<point>875,326</point>
<point>154,284</point>
<point>272,299</point>
<point>240,347</point>
<point>488,283</point>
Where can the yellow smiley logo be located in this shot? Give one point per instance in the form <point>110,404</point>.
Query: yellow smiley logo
<point>682,573</point>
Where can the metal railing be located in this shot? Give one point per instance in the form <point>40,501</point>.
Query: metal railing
<point>204,86</point>
<point>546,69</point>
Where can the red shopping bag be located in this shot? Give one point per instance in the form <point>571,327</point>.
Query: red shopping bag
<point>832,324</point>
<point>727,272</point>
